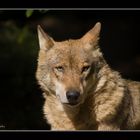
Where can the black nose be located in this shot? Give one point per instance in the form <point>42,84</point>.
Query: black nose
<point>72,96</point>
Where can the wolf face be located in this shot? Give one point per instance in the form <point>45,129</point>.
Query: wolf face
<point>66,69</point>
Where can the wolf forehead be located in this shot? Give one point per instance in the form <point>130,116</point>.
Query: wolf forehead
<point>71,50</point>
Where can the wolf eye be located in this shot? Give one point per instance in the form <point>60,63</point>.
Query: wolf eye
<point>85,68</point>
<point>59,68</point>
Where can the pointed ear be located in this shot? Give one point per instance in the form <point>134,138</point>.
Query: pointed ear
<point>92,36</point>
<point>45,42</point>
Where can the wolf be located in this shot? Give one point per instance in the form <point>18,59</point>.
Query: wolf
<point>81,91</point>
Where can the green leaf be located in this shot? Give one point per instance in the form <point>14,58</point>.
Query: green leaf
<point>29,13</point>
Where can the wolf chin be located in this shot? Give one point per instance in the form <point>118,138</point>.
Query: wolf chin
<point>81,91</point>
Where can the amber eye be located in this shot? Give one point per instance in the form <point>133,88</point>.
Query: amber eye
<point>85,68</point>
<point>59,68</point>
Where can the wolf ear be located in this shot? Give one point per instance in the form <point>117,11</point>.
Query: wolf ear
<point>45,42</point>
<point>92,36</point>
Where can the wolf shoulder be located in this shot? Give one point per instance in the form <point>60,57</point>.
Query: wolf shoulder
<point>133,86</point>
<point>134,91</point>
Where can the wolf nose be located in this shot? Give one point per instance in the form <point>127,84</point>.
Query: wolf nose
<point>72,96</point>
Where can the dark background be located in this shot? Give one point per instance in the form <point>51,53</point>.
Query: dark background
<point>21,100</point>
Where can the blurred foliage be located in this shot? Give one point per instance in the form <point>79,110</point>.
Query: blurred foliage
<point>19,37</point>
<point>22,101</point>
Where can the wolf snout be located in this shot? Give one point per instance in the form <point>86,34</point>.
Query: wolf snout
<point>72,96</point>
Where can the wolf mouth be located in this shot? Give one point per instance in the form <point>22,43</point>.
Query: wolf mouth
<point>72,104</point>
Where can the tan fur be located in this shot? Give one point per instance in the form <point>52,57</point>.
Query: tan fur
<point>107,102</point>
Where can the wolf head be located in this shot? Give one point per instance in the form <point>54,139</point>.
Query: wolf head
<point>68,69</point>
